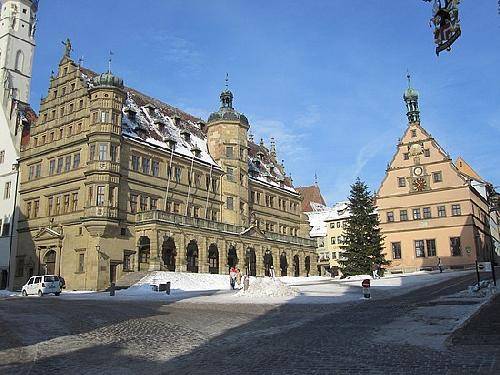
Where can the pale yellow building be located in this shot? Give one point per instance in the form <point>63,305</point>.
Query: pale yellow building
<point>115,182</point>
<point>335,224</point>
<point>428,208</point>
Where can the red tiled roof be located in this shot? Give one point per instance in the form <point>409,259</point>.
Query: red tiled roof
<point>310,194</point>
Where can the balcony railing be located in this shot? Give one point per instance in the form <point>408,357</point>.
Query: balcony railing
<point>147,216</point>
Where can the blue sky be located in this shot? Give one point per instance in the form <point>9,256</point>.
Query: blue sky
<point>324,77</point>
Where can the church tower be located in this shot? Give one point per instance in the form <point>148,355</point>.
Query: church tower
<point>17,47</point>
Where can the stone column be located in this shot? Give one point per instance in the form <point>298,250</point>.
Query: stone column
<point>154,251</point>
<point>223,249</point>
<point>241,249</point>
<point>203,254</point>
<point>302,270</point>
<point>180,244</point>
<point>314,264</point>
<point>259,253</point>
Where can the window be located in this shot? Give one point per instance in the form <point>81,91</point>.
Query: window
<point>36,208</point>
<point>339,224</point>
<point>416,214</point>
<point>229,152</point>
<point>103,152</point>
<point>196,212</point>
<point>146,165</point>
<point>28,210</point>
<point>403,215</point>
<point>406,156</point>
<point>197,180</point>
<point>31,172</point>
<point>51,137</point>
<point>431,248</point>
<point>76,161</point>
<point>81,262</point>
<point>230,203</point>
<point>66,203</point>
<point>100,196</point>
<point>58,205</point>
<point>413,133</point>
<point>19,61</point>
<point>176,207</point>
<point>437,177</point>
<point>456,250</point>
<point>104,116</point>
<point>153,202</point>
<point>113,152</point>
<point>390,216</point>
<point>333,241</point>
<point>2,156</point>
<point>143,203</point>
<point>401,182</point>
<point>59,165</point>
<point>156,168</point>
<point>135,163</point>
<point>74,202</point>
<point>6,228</point>
<point>127,261</point>
<point>214,189</point>
<point>230,174</point>
<point>6,192</point>
<point>427,212</point>
<point>67,164</point>
<point>339,240</point>
<point>178,174</point>
<point>50,206</point>
<point>427,152</point>
<point>396,250</point>
<point>332,225</point>
<point>133,203</point>
<point>455,210</point>
<point>441,211</point>
<point>419,249</point>
<point>111,196</point>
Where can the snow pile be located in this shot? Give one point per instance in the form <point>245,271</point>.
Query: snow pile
<point>267,287</point>
<point>486,288</point>
<point>186,281</point>
<point>7,293</point>
<point>138,290</point>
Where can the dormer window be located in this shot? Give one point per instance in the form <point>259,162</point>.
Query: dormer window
<point>177,120</point>
<point>160,124</point>
<point>150,108</point>
<point>201,125</point>
<point>186,135</point>
<point>131,113</point>
<point>171,144</point>
<point>196,152</point>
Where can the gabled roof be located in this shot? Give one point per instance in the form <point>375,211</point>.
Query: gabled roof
<point>310,194</point>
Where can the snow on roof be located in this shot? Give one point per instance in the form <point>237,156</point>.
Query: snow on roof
<point>318,219</point>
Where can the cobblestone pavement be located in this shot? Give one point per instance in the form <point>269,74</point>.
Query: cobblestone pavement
<point>56,336</point>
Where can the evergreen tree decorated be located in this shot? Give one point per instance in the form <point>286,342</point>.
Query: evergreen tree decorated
<point>362,234</point>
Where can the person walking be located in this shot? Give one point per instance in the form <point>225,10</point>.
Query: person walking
<point>238,277</point>
<point>440,265</point>
<point>375,271</point>
<point>232,277</point>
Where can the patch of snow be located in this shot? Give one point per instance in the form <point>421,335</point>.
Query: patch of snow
<point>186,281</point>
<point>8,293</point>
<point>267,287</point>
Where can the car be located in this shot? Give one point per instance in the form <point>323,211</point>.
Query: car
<point>41,285</point>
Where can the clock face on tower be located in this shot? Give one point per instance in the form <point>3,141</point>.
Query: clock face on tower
<point>417,171</point>
<point>419,184</point>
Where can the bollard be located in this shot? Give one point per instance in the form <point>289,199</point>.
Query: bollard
<point>112,289</point>
<point>246,283</point>
<point>167,289</point>
<point>366,288</point>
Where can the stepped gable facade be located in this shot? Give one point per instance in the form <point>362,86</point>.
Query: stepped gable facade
<point>113,181</point>
<point>428,208</point>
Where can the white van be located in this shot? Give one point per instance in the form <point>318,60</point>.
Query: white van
<point>42,285</point>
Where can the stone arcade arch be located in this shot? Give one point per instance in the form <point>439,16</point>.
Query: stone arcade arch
<point>49,261</point>
<point>144,253</point>
<point>192,256</point>
<point>213,259</point>
<point>168,253</point>
<point>268,262</point>
<point>251,262</point>
<point>232,257</point>
<point>307,263</point>
<point>296,266</point>
<point>283,264</point>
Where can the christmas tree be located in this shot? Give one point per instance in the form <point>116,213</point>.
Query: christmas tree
<point>362,237</point>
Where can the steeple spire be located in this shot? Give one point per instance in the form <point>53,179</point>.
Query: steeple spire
<point>411,99</point>
<point>226,96</point>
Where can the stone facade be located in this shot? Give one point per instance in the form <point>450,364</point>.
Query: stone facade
<point>128,183</point>
<point>428,208</point>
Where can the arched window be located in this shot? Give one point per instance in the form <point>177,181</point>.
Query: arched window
<point>19,61</point>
